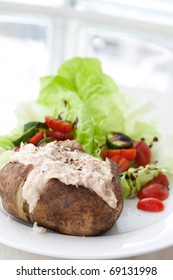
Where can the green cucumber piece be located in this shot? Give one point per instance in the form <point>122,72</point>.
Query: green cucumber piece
<point>116,140</point>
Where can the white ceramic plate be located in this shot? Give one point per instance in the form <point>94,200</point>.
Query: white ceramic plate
<point>135,233</point>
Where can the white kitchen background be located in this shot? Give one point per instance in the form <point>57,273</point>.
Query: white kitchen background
<point>132,38</point>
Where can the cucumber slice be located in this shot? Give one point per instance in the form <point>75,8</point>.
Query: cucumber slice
<point>25,136</point>
<point>116,140</point>
<point>30,129</point>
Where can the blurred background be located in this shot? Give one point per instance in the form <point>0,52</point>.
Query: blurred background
<point>133,39</point>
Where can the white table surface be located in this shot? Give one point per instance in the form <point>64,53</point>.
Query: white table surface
<point>7,253</point>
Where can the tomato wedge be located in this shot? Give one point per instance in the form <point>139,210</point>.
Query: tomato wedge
<point>36,138</point>
<point>129,154</point>
<point>58,124</point>
<point>122,162</point>
<point>143,153</point>
<point>59,136</point>
<point>150,204</point>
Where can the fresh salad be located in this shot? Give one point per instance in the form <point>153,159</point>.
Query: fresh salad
<point>81,102</point>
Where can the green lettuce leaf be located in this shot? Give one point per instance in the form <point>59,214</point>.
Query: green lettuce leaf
<point>6,143</point>
<point>134,178</point>
<point>81,90</point>
<point>98,91</point>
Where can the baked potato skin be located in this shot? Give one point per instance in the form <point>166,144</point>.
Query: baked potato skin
<point>63,208</point>
<point>12,178</point>
<point>75,211</point>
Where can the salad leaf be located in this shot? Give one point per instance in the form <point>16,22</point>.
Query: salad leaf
<point>31,111</point>
<point>98,91</point>
<point>81,80</point>
<point>81,90</point>
<point>6,143</point>
<point>137,122</point>
<point>134,178</point>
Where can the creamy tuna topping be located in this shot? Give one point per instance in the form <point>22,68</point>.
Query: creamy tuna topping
<point>69,166</point>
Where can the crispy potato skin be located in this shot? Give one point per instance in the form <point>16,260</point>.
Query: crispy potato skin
<point>12,178</point>
<point>74,211</point>
<point>63,208</point>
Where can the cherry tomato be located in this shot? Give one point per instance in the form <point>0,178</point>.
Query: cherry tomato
<point>59,136</point>
<point>143,153</point>
<point>36,138</point>
<point>123,163</point>
<point>58,125</point>
<point>129,154</point>
<point>154,190</point>
<point>150,204</point>
<point>161,179</point>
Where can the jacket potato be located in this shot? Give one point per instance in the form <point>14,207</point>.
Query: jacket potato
<point>61,188</point>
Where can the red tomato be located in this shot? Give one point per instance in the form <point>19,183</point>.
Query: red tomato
<point>36,138</point>
<point>150,204</point>
<point>161,179</point>
<point>129,154</point>
<point>59,136</point>
<point>58,125</point>
<point>143,153</point>
<point>123,163</point>
<point>154,190</point>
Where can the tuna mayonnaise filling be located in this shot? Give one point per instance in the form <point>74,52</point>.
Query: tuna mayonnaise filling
<point>69,166</point>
